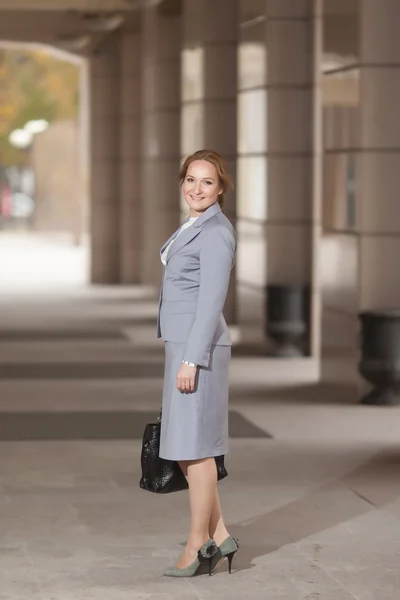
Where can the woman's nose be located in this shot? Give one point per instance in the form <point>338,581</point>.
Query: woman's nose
<point>198,188</point>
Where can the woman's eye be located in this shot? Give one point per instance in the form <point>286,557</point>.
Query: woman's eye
<point>209,182</point>
<point>189,179</point>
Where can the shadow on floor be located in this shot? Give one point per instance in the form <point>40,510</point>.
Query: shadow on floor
<point>318,393</point>
<point>366,488</point>
<point>118,300</point>
<point>56,334</point>
<point>248,349</point>
<point>80,370</point>
<point>99,425</point>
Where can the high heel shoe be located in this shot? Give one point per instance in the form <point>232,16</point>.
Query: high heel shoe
<point>204,555</point>
<point>227,549</point>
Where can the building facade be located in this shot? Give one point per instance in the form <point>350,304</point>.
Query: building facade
<point>300,96</point>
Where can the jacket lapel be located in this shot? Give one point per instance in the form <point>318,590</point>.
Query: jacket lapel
<point>214,209</point>
<point>194,230</point>
<point>184,238</point>
<point>172,237</point>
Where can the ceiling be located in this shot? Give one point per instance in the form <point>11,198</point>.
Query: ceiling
<point>62,5</point>
<point>248,8</point>
<point>69,30</point>
<point>251,9</point>
<point>77,26</point>
<point>80,26</point>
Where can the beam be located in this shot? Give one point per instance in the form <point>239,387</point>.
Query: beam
<point>80,5</point>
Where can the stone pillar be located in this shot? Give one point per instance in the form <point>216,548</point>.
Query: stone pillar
<point>209,92</point>
<point>104,93</point>
<point>130,150</point>
<point>294,156</point>
<point>160,66</point>
<point>378,163</point>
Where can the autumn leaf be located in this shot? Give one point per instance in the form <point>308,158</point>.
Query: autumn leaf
<point>34,84</point>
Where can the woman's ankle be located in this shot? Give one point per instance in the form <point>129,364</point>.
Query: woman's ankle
<point>197,542</point>
<point>220,535</point>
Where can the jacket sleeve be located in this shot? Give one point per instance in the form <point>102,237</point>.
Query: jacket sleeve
<point>217,257</point>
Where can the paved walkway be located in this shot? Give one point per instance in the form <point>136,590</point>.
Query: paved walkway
<point>316,507</point>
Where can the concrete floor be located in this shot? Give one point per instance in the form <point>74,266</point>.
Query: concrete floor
<point>316,508</point>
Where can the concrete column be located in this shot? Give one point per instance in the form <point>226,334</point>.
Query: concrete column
<point>130,151</point>
<point>104,93</point>
<point>160,66</point>
<point>294,156</point>
<point>378,166</point>
<point>209,92</point>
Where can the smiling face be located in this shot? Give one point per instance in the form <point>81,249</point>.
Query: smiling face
<point>201,186</point>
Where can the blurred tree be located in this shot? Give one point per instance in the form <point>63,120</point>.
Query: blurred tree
<point>34,84</point>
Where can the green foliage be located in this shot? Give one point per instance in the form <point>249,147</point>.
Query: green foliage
<point>33,85</point>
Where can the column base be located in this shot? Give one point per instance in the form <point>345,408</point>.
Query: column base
<point>379,397</point>
<point>286,350</point>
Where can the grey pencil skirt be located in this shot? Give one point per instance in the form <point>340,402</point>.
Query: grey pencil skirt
<point>195,425</point>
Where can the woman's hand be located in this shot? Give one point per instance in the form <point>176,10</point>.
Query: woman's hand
<point>186,378</point>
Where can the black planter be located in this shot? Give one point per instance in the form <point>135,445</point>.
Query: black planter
<point>288,308</point>
<point>380,356</point>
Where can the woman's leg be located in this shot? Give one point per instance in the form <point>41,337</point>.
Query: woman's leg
<point>217,529</point>
<point>202,478</point>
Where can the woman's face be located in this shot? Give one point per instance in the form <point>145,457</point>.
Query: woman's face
<point>201,186</point>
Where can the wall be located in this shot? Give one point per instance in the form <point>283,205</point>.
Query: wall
<point>58,185</point>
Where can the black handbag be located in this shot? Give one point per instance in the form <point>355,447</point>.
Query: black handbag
<point>164,476</point>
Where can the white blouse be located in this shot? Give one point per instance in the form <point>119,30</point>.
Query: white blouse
<point>184,226</point>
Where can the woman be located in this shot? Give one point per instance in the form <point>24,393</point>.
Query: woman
<point>197,260</point>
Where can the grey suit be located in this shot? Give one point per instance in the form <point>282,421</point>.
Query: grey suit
<point>193,292</point>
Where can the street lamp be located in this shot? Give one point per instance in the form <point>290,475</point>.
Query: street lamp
<point>36,126</point>
<point>21,138</point>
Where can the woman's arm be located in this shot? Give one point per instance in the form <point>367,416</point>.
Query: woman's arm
<point>217,257</point>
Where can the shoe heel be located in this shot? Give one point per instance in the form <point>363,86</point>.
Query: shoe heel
<point>210,565</point>
<point>230,559</point>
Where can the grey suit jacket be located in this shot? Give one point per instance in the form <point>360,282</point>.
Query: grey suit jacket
<point>194,286</point>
